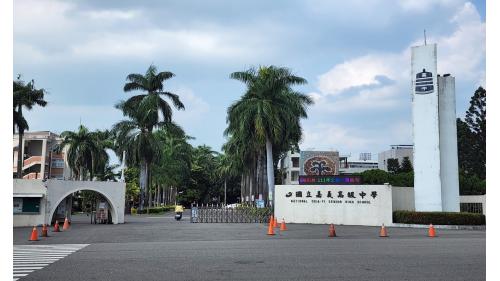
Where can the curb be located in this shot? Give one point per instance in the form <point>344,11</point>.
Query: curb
<point>454,227</point>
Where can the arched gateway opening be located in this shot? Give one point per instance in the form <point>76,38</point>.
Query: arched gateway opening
<point>62,194</point>
<point>84,206</point>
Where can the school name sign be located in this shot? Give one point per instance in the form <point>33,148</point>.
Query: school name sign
<point>339,204</point>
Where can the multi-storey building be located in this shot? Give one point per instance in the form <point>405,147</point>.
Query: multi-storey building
<point>350,164</point>
<point>290,168</point>
<point>41,159</point>
<point>397,152</point>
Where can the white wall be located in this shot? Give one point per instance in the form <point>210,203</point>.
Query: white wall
<point>30,187</point>
<point>58,190</point>
<point>403,198</point>
<point>377,211</point>
<point>474,199</point>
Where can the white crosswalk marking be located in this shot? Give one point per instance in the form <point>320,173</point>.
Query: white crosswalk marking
<point>28,258</point>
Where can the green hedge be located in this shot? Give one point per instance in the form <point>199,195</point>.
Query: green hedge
<point>156,210</point>
<point>438,218</point>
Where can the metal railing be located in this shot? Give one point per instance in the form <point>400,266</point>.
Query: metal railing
<point>219,213</point>
<point>471,207</point>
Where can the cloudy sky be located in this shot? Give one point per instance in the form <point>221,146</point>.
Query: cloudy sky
<point>355,55</point>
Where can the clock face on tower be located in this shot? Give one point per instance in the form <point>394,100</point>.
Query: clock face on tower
<point>424,83</point>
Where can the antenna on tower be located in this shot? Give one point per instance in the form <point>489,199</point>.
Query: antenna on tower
<point>425,38</point>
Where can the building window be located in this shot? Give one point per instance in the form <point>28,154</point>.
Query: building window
<point>295,162</point>
<point>57,163</point>
<point>295,176</point>
<point>26,205</point>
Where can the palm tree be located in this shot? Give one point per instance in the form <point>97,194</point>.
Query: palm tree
<point>151,102</point>
<point>141,146</point>
<point>172,167</point>
<point>86,151</point>
<point>108,174</point>
<point>146,111</point>
<point>269,112</point>
<point>226,167</point>
<point>27,96</point>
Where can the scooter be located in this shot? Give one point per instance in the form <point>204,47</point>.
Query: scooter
<point>178,216</point>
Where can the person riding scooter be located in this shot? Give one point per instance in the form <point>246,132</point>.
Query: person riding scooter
<point>178,212</point>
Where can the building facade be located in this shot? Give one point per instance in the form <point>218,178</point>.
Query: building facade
<point>350,164</point>
<point>41,159</point>
<point>396,152</point>
<point>290,168</point>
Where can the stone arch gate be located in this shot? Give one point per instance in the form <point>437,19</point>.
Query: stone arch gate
<point>114,192</point>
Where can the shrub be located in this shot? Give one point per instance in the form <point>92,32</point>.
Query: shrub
<point>377,176</point>
<point>439,218</point>
<point>471,185</point>
<point>156,210</point>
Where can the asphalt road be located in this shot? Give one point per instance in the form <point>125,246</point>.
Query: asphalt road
<point>160,248</point>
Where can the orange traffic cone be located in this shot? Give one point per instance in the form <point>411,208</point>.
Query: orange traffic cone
<point>34,234</point>
<point>383,231</point>
<point>331,231</point>
<point>56,227</point>
<point>45,231</point>
<point>283,225</point>
<point>66,224</point>
<point>275,222</point>
<point>432,232</point>
<point>270,230</point>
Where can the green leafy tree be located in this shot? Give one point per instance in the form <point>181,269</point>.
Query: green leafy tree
<point>393,165</point>
<point>172,168</point>
<point>475,118</point>
<point>406,165</point>
<point>24,96</point>
<point>471,141</point>
<point>227,167</point>
<point>132,189</point>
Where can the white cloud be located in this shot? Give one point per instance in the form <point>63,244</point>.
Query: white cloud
<point>325,136</point>
<point>362,71</point>
<point>425,5</point>
<point>56,116</point>
<point>112,15</point>
<point>461,53</point>
<point>196,108</point>
<point>148,43</point>
<point>34,17</point>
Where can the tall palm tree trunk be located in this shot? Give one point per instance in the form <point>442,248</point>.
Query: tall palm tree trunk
<point>225,191</point>
<point>270,170</point>
<point>142,184</point>
<point>242,186</point>
<point>164,195</point>
<point>20,160</point>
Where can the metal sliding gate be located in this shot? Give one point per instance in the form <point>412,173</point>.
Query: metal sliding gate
<point>223,214</point>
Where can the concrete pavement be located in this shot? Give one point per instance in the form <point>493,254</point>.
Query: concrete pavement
<point>160,248</point>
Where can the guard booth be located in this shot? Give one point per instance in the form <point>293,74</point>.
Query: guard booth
<point>102,212</point>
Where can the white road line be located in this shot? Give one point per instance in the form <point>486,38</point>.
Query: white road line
<point>28,258</point>
<point>33,268</point>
